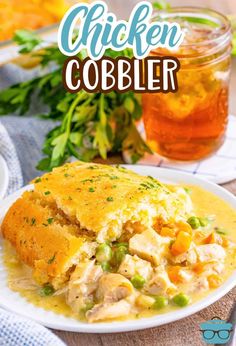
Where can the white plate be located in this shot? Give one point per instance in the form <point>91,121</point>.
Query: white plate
<point>4,177</point>
<point>14,302</point>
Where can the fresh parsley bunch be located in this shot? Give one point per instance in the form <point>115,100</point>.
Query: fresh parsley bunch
<point>90,124</point>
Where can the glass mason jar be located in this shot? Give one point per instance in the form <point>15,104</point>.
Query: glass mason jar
<point>191,123</point>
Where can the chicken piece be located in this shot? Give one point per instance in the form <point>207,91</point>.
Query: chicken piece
<point>149,246</point>
<point>106,311</point>
<point>208,268</point>
<point>210,252</point>
<point>186,275</point>
<point>215,268</point>
<point>132,265</point>
<point>160,283</point>
<point>201,253</point>
<point>200,284</point>
<point>190,257</point>
<point>113,287</point>
<point>83,283</point>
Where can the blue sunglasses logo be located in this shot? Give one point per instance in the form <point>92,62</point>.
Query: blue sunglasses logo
<point>216,331</point>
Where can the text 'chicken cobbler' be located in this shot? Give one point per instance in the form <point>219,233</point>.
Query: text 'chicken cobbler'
<point>103,243</point>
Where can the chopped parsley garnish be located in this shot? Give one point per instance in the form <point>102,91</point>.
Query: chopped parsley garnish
<point>66,175</point>
<point>91,189</point>
<point>69,198</point>
<point>155,182</point>
<point>50,220</point>
<point>93,167</point>
<point>122,169</point>
<point>114,177</point>
<point>188,190</point>
<point>114,186</point>
<point>87,180</point>
<point>52,259</point>
<point>147,185</point>
<point>38,180</point>
<point>26,219</point>
<point>221,231</point>
<point>47,193</point>
<point>110,199</point>
<point>33,221</point>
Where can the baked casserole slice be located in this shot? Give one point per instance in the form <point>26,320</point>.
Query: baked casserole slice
<point>112,241</point>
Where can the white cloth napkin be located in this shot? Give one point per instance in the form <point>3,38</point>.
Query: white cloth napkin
<point>19,331</point>
<point>8,152</point>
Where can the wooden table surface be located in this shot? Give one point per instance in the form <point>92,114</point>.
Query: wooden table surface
<point>150,337</point>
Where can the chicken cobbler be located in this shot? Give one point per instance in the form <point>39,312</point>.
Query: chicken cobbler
<point>103,243</point>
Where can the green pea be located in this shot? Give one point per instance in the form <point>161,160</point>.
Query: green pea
<point>120,254</point>
<point>103,253</point>
<point>160,302</point>
<point>188,190</point>
<point>87,307</point>
<point>181,300</point>
<point>138,281</point>
<point>194,222</point>
<point>121,244</point>
<point>105,266</point>
<point>46,291</point>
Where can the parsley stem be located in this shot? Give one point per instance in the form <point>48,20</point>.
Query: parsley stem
<point>102,114</point>
<point>68,118</point>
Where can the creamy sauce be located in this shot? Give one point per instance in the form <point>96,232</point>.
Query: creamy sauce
<point>205,204</point>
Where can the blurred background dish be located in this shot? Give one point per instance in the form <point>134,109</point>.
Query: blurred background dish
<point>40,15</point>
<point>29,15</point>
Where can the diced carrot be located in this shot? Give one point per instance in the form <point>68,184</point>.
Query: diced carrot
<point>200,236</point>
<point>168,232</point>
<point>184,226</point>
<point>174,274</point>
<point>181,244</point>
<point>213,238</point>
<point>214,280</point>
<point>199,267</point>
<point>225,242</point>
<point>210,239</point>
<point>158,225</point>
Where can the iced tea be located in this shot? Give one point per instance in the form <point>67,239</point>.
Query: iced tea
<point>191,124</point>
